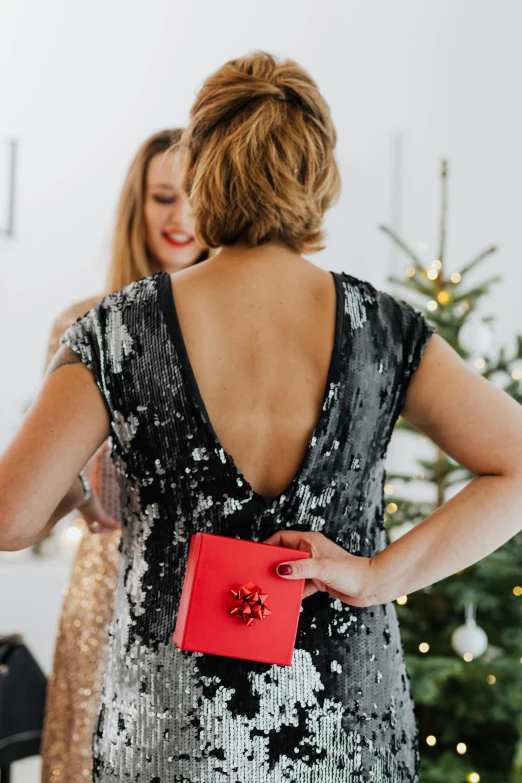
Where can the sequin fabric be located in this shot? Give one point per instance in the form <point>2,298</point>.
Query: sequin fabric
<point>343,711</point>
<point>75,684</point>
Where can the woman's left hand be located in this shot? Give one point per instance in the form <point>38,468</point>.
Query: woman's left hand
<point>328,569</point>
<point>93,512</point>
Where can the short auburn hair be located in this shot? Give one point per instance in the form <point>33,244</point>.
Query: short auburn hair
<point>259,156</point>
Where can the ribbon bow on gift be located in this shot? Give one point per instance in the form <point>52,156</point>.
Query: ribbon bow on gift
<point>248,603</point>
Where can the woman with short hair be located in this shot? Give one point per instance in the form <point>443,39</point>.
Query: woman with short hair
<point>254,397</point>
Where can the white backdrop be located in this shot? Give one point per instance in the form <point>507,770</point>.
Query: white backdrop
<point>81,85</point>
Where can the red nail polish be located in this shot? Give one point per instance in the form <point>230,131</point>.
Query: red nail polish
<point>284,569</point>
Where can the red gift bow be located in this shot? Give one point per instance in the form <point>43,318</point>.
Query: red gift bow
<point>248,603</point>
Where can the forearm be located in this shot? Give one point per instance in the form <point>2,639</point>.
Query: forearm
<point>475,522</point>
<point>73,499</point>
<point>16,540</point>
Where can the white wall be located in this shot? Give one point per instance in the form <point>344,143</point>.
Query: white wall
<point>82,85</point>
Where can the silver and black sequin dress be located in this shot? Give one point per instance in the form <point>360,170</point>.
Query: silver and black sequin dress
<point>342,713</point>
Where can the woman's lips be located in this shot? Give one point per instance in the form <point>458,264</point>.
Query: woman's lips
<point>177,239</point>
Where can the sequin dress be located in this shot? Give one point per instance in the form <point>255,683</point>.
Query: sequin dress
<point>75,683</point>
<point>343,711</point>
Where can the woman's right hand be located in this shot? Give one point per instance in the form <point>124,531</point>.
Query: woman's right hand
<point>92,512</point>
<point>330,568</point>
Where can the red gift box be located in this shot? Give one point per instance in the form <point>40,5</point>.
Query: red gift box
<point>233,602</point>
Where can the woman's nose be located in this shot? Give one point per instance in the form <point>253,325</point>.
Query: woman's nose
<point>180,211</point>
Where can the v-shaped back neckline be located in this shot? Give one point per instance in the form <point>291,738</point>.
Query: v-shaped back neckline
<point>168,308</point>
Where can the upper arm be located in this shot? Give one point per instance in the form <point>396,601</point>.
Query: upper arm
<point>66,423</point>
<point>471,420</point>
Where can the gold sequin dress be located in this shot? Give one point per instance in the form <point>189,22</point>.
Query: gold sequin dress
<point>81,646</point>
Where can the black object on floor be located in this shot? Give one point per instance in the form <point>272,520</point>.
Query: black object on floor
<point>22,703</point>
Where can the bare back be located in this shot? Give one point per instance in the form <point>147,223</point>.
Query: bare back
<point>259,331</point>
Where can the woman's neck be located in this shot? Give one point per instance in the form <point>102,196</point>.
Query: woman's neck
<point>270,253</point>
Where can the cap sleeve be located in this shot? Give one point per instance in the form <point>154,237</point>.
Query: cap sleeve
<point>86,338</point>
<point>105,340</point>
<point>83,339</point>
<point>416,332</point>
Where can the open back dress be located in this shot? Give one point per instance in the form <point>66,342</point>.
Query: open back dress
<point>342,713</point>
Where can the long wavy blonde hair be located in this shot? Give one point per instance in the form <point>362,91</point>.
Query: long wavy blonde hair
<point>130,257</point>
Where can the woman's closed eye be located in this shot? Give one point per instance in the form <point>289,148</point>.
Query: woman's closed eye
<point>165,199</point>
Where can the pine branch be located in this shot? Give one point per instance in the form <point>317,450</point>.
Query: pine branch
<point>478,291</point>
<point>401,477</point>
<point>503,364</point>
<point>398,241</point>
<point>478,259</point>
<point>407,511</point>
<point>413,284</point>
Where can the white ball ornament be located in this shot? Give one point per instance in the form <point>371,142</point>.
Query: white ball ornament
<point>476,337</point>
<point>469,639</point>
<point>499,379</point>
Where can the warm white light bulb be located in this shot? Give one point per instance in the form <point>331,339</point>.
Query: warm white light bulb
<point>462,748</point>
<point>73,533</point>
<point>431,740</point>
<point>424,647</point>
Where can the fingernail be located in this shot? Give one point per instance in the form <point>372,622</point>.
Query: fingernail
<point>284,569</point>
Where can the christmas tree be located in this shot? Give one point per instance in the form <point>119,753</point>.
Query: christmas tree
<point>463,635</point>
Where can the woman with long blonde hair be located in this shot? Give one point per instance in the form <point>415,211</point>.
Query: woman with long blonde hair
<point>153,231</point>
<point>254,397</point>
